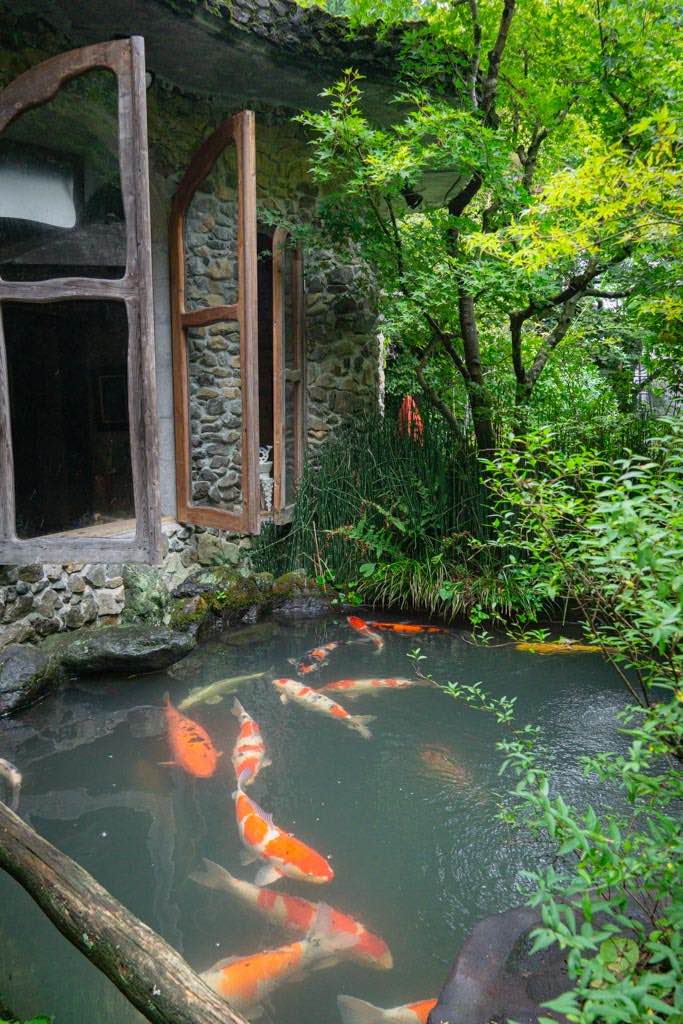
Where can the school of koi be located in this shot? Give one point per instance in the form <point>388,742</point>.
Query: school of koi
<point>327,936</point>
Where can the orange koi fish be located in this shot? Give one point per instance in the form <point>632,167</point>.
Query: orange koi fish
<point>283,853</point>
<point>440,760</point>
<point>297,914</point>
<point>406,628</point>
<point>314,659</point>
<point>561,647</point>
<point>314,700</point>
<point>361,626</point>
<point>190,743</point>
<point>357,1011</point>
<point>249,752</point>
<point>353,688</point>
<point>249,981</point>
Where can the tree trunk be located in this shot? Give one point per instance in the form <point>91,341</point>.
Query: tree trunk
<point>478,396</point>
<point>150,974</point>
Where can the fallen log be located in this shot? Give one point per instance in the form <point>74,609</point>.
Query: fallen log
<point>149,972</point>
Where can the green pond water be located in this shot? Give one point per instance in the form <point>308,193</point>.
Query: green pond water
<point>408,818</point>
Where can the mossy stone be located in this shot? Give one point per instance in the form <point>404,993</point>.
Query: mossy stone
<point>291,583</point>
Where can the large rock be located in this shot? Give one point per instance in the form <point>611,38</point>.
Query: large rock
<point>496,978</point>
<point>127,649</point>
<point>25,674</point>
<point>297,598</point>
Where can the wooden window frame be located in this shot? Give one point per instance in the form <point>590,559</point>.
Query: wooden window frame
<point>281,512</point>
<point>239,131</point>
<point>126,59</point>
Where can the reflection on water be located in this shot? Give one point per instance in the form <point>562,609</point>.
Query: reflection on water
<point>407,819</point>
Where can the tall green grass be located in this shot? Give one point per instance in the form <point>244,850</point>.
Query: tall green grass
<point>383,511</point>
<point>407,523</point>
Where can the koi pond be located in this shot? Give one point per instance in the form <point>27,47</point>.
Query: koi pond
<point>406,819</point>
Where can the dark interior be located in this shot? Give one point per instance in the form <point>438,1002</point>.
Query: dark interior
<point>67,369</point>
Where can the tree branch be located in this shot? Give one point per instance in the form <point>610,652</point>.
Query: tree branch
<point>476,54</point>
<point>490,88</point>
<point>149,973</point>
<point>556,336</point>
<point>433,395</point>
<point>598,294</point>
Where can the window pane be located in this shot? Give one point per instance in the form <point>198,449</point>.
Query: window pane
<point>291,368</point>
<point>67,369</point>
<point>61,206</point>
<point>215,416</point>
<point>211,237</point>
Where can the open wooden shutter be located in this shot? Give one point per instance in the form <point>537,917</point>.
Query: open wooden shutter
<point>129,293</point>
<point>209,502</point>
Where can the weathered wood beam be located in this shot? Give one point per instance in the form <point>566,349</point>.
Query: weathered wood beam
<point>149,972</point>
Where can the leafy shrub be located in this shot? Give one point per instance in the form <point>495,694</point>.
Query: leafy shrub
<point>611,538</point>
<point>607,537</point>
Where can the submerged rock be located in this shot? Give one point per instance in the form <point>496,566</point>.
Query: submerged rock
<point>495,978</point>
<point>128,649</point>
<point>25,674</point>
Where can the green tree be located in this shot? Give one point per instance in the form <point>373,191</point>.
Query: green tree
<point>545,137</point>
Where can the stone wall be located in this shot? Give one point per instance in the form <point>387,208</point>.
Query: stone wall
<point>38,600</point>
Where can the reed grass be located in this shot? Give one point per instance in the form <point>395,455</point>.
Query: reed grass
<point>406,523</point>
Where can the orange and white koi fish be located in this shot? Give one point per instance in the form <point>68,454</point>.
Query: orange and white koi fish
<point>315,700</point>
<point>406,628</point>
<point>353,688</point>
<point>361,626</point>
<point>249,981</point>
<point>283,853</point>
<point>297,914</point>
<point>314,659</point>
<point>191,744</point>
<point>357,1011</point>
<point>249,752</point>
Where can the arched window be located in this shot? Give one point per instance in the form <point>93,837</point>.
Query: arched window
<point>79,477</point>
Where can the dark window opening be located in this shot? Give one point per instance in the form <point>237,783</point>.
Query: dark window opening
<point>78,453</point>
<point>67,371</point>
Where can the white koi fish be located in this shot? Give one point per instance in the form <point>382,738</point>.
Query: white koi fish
<point>249,752</point>
<point>357,1011</point>
<point>314,700</point>
<point>14,780</point>
<point>214,692</point>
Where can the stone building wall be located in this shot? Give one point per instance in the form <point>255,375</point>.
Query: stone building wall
<point>38,600</point>
<point>341,347</point>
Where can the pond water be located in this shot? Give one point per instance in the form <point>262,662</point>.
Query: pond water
<point>407,819</point>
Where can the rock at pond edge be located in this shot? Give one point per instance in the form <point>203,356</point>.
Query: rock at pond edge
<point>25,674</point>
<point>126,649</point>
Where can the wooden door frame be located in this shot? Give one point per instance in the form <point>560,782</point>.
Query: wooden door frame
<point>126,59</point>
<point>240,131</point>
